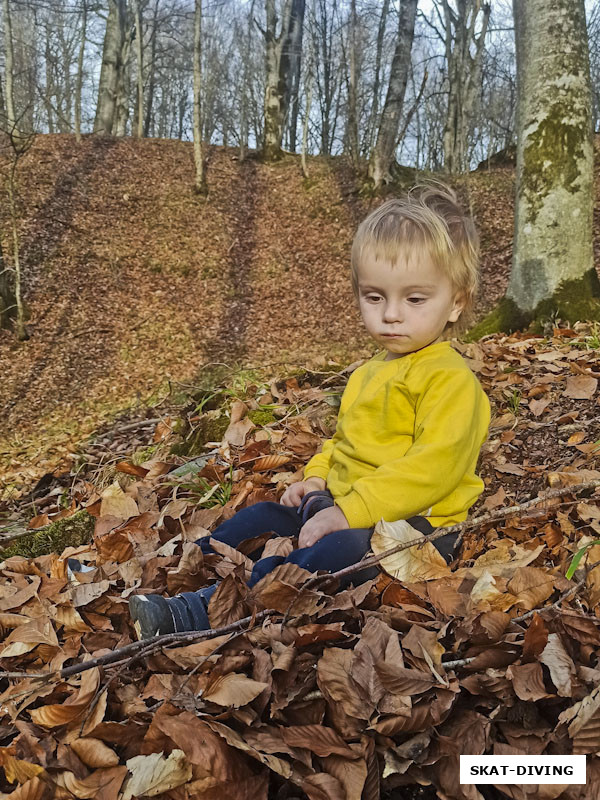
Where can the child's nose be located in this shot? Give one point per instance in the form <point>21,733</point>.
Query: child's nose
<point>392,312</point>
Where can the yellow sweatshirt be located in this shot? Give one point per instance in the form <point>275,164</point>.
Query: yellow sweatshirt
<point>407,440</point>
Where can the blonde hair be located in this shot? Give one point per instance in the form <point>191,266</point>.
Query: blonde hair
<point>430,216</point>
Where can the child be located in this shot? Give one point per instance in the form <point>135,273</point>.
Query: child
<point>411,422</point>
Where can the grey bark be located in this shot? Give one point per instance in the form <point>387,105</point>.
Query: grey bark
<point>274,109</point>
<point>124,82</point>
<point>139,52</point>
<point>11,119</point>
<point>387,136</point>
<point>111,73</point>
<point>198,154</point>
<point>152,71</point>
<point>374,115</point>
<point>8,302</point>
<point>79,82</point>
<point>554,195</point>
<point>282,61</point>
<point>289,68</point>
<point>464,76</point>
<point>352,122</point>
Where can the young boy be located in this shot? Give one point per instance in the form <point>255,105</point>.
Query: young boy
<point>411,421</point>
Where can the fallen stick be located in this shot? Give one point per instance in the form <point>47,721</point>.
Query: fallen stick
<point>460,528</point>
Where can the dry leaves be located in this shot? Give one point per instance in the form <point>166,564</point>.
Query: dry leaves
<point>370,690</point>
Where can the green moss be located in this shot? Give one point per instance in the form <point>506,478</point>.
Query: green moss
<point>144,454</point>
<point>261,416</point>
<point>506,318</point>
<point>209,428</point>
<point>573,300</point>
<point>552,155</point>
<point>54,538</point>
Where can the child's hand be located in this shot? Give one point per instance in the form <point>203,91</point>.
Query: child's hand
<point>326,521</point>
<point>296,491</point>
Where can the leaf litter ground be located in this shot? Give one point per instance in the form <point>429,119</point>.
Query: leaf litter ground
<point>370,692</point>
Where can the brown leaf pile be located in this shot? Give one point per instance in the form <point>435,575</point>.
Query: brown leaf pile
<point>343,695</point>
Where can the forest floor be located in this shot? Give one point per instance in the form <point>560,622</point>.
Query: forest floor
<point>134,284</point>
<point>185,359</point>
<point>301,692</point>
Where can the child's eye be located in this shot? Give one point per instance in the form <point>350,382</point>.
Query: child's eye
<point>416,300</point>
<point>372,298</point>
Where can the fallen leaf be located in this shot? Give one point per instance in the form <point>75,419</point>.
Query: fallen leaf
<point>233,690</point>
<point>155,774</point>
<point>580,387</point>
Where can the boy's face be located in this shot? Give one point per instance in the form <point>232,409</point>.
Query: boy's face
<point>405,307</point>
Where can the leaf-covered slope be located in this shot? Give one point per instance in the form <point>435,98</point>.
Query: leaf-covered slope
<point>132,280</point>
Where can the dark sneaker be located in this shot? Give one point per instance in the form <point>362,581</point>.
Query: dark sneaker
<point>151,615</point>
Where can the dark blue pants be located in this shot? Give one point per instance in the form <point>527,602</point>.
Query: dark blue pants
<point>331,553</point>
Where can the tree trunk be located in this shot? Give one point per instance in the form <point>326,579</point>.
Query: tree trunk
<point>11,119</point>
<point>79,84</point>
<point>273,98</point>
<point>295,85</point>
<point>20,319</point>
<point>200,184</point>
<point>151,69</point>
<point>352,122</point>
<point>374,116</point>
<point>309,92</point>
<point>111,73</point>
<point>8,302</point>
<point>282,61</point>
<point>289,66</point>
<point>124,85</point>
<point>553,273</point>
<point>464,77</point>
<point>49,83</point>
<point>553,231</point>
<point>139,51</point>
<point>387,137</point>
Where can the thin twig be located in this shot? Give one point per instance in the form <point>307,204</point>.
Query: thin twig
<point>564,596</point>
<point>154,644</point>
<point>460,528</point>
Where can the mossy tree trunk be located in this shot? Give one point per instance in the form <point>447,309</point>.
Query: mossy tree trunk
<point>553,230</point>
<point>553,274</point>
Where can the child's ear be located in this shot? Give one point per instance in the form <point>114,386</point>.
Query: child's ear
<point>460,301</point>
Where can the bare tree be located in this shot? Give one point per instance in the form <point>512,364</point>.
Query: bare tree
<point>282,54</point>
<point>457,32</point>
<point>373,117</point>
<point>112,80</point>
<point>11,117</point>
<point>352,119</point>
<point>387,136</point>
<point>18,145</point>
<point>79,84</point>
<point>198,154</point>
<point>139,52</point>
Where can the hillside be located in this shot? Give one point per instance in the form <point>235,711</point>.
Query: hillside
<point>133,282</point>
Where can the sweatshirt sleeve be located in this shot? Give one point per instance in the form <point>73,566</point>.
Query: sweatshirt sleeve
<point>319,464</point>
<point>449,412</point>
